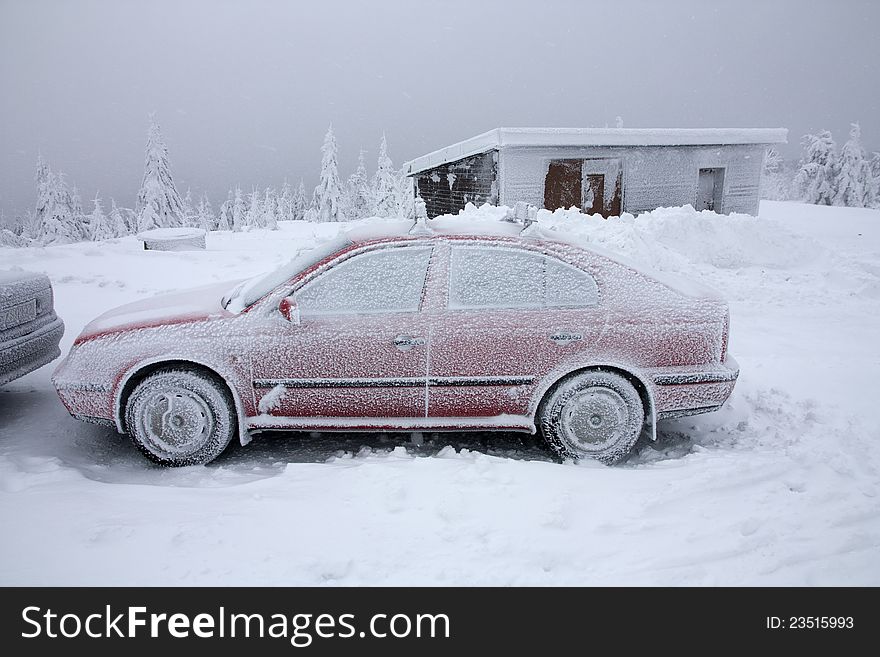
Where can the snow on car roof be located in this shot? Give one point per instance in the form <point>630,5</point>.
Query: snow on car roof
<point>475,222</point>
<point>510,137</point>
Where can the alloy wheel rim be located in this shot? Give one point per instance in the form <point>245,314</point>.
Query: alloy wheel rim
<point>594,419</point>
<point>176,421</point>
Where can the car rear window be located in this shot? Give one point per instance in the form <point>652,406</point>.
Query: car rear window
<point>499,277</point>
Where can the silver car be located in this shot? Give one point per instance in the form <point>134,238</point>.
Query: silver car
<point>29,328</point>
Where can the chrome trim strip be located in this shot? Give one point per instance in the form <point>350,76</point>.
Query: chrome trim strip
<point>480,380</point>
<point>401,382</point>
<point>698,377</point>
<point>397,382</point>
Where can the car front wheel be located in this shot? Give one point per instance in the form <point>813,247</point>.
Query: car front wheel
<point>595,414</point>
<point>180,417</point>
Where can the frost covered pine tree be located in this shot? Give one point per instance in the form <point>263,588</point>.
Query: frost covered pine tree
<point>384,184</point>
<point>239,211</point>
<point>774,186</point>
<point>254,217</point>
<point>855,186</point>
<point>875,174</point>
<point>54,219</point>
<point>158,202</point>
<point>80,218</point>
<point>357,193</point>
<point>99,224</point>
<point>405,195</point>
<point>190,216</point>
<point>206,220</point>
<point>818,170</point>
<point>285,203</point>
<point>299,202</point>
<point>224,218</point>
<point>270,210</point>
<point>116,220</point>
<point>327,193</point>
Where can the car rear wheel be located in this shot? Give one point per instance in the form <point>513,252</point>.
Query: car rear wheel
<point>595,414</point>
<point>180,417</point>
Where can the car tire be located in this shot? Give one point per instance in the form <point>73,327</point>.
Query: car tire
<point>595,414</point>
<point>179,417</point>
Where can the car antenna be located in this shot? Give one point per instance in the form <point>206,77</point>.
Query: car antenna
<point>420,226</point>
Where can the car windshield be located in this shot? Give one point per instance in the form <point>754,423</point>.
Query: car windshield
<point>252,290</point>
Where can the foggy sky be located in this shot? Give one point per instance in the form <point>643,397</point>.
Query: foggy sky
<point>244,91</point>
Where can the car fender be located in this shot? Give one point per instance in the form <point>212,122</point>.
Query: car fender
<point>572,367</point>
<point>133,370</point>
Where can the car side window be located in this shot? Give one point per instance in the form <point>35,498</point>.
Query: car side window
<point>498,277</point>
<point>386,280</point>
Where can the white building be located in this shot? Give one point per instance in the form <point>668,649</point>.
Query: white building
<point>601,170</point>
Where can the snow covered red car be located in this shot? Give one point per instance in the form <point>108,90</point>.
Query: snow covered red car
<point>380,329</point>
<point>29,328</point>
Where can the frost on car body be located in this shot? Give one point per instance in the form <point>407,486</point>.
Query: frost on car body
<point>381,329</point>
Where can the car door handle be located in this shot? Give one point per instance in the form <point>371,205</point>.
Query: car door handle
<point>406,342</point>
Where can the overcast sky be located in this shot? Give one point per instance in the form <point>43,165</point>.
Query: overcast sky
<point>244,90</point>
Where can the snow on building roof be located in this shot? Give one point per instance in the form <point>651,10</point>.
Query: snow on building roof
<point>504,137</point>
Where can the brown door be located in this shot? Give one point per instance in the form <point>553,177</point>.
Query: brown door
<point>562,186</point>
<point>594,199</point>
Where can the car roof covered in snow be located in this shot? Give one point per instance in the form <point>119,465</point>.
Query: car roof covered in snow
<point>463,226</point>
<point>512,137</point>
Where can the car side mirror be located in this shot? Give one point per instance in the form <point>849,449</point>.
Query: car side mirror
<point>289,310</point>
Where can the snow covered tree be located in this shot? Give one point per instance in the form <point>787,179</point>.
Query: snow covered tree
<point>405,195</point>
<point>206,220</point>
<point>116,219</point>
<point>818,170</point>
<point>384,184</point>
<point>875,172</point>
<point>99,224</point>
<point>239,211</point>
<point>190,216</point>
<point>80,219</point>
<point>224,219</point>
<point>299,202</point>
<point>855,186</point>
<point>254,217</point>
<point>357,192</point>
<point>327,193</point>
<point>54,218</point>
<point>270,210</point>
<point>10,239</point>
<point>774,182</point>
<point>285,203</point>
<point>158,203</point>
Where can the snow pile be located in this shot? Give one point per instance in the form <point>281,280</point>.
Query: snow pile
<point>669,239</point>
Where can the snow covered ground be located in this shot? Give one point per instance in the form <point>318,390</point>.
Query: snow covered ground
<point>782,486</point>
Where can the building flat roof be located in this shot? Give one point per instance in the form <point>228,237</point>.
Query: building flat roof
<point>524,137</point>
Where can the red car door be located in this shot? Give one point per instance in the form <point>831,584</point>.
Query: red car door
<point>512,315</point>
<point>360,349</point>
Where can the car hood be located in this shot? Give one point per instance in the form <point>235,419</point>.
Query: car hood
<point>193,305</point>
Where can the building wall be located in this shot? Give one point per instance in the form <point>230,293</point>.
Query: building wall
<point>446,189</point>
<point>652,176</point>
